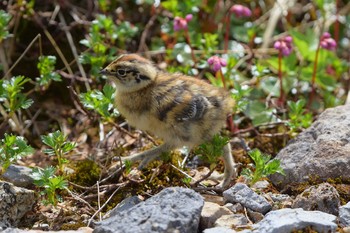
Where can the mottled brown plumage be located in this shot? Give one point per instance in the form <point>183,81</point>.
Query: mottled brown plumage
<point>181,110</point>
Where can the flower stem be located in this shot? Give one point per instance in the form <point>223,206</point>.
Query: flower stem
<point>187,36</point>
<point>227,32</point>
<point>281,98</point>
<point>313,79</point>
<point>231,125</point>
<point>222,78</point>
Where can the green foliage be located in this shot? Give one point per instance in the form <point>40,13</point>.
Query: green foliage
<point>46,179</point>
<point>240,94</point>
<point>101,102</point>
<point>128,166</point>
<point>264,166</point>
<point>59,146</point>
<point>4,22</point>
<point>101,41</point>
<point>298,118</point>
<point>12,148</point>
<point>46,66</point>
<point>11,96</point>
<point>211,151</point>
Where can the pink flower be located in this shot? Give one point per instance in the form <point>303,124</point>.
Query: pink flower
<point>181,23</point>
<point>240,11</point>
<point>284,45</point>
<point>216,63</point>
<point>327,42</point>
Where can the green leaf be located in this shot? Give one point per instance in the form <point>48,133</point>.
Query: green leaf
<point>4,22</point>
<point>13,148</point>
<point>67,147</point>
<point>210,151</point>
<point>263,166</point>
<point>306,43</point>
<point>11,94</point>
<point>101,102</point>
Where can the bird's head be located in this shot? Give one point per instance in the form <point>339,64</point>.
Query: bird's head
<point>131,72</point>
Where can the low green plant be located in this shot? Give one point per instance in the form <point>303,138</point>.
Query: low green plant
<point>4,22</point>
<point>240,95</point>
<point>298,118</point>
<point>12,100</point>
<point>212,150</point>
<point>46,179</point>
<point>46,66</point>
<point>101,101</point>
<point>12,148</point>
<point>59,146</point>
<point>102,41</point>
<point>264,166</point>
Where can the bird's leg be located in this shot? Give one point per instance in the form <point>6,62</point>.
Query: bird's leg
<point>230,167</point>
<point>147,156</point>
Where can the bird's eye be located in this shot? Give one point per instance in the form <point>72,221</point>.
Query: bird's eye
<point>121,72</point>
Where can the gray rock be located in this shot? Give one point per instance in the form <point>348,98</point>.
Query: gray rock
<point>219,230</point>
<point>277,197</point>
<point>241,193</point>
<point>254,216</point>
<point>124,205</point>
<point>18,175</point>
<point>260,185</point>
<point>344,215</point>
<point>280,200</point>
<point>172,210</point>
<point>15,202</point>
<point>235,208</point>
<point>321,151</point>
<point>288,220</point>
<point>16,230</point>
<point>210,213</point>
<point>323,197</point>
<point>231,221</point>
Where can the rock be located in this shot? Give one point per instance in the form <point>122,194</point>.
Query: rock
<point>235,208</point>
<point>345,230</point>
<point>277,197</point>
<point>321,151</point>
<point>280,200</point>
<point>219,230</point>
<point>288,220</point>
<point>260,185</point>
<point>15,202</point>
<point>210,213</point>
<point>231,221</point>
<point>124,205</point>
<point>344,215</point>
<point>241,193</point>
<point>172,210</point>
<point>254,216</point>
<point>18,175</point>
<point>323,197</point>
<point>16,230</point>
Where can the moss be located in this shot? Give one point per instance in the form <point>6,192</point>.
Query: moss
<point>72,226</point>
<point>86,173</point>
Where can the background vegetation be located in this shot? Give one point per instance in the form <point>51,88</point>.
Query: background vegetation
<point>283,64</point>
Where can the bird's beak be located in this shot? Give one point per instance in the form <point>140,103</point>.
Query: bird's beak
<point>104,72</point>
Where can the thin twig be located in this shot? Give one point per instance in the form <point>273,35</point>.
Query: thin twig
<point>204,177</point>
<point>98,199</point>
<point>76,197</point>
<point>99,210</point>
<point>38,37</point>
<point>143,46</point>
<point>73,48</point>
<point>58,51</point>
